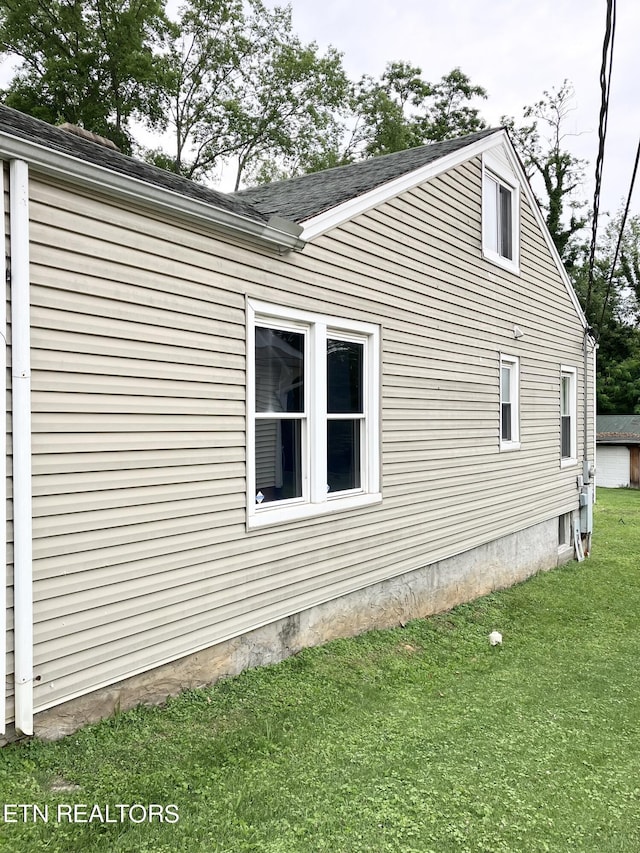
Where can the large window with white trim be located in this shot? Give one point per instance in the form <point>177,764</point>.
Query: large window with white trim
<point>313,414</point>
<point>509,402</point>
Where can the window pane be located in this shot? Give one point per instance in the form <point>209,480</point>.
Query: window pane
<point>506,249</point>
<point>506,422</point>
<point>278,459</point>
<point>565,397</point>
<point>490,213</point>
<point>566,437</point>
<point>279,371</point>
<point>506,384</point>
<point>344,377</point>
<point>343,455</point>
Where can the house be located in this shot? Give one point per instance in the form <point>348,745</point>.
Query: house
<point>243,424</point>
<point>618,450</point>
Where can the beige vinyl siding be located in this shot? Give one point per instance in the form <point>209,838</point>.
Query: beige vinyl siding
<point>141,554</point>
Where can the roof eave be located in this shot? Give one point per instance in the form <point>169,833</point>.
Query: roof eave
<point>277,233</point>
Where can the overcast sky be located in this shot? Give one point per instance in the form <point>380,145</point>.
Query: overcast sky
<point>514,49</point>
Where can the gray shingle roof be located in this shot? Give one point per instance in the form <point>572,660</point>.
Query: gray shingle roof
<point>309,195</point>
<point>618,429</point>
<point>296,199</point>
<point>25,127</point>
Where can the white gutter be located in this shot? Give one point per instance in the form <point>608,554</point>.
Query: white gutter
<point>277,233</point>
<point>21,417</point>
<point>3,472</point>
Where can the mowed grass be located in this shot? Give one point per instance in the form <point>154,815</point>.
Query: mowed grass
<point>418,739</point>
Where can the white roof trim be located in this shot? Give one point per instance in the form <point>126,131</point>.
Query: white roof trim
<point>68,168</point>
<point>323,222</point>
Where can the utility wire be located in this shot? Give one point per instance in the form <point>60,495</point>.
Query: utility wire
<point>605,88</point>
<point>620,235</point>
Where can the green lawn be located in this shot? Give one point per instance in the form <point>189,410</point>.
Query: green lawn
<point>423,738</point>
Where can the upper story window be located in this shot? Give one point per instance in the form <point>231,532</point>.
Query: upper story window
<point>313,414</point>
<point>568,421</point>
<point>509,403</point>
<point>500,215</point>
<point>498,206</point>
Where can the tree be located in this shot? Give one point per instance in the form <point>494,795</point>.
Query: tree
<point>612,305</point>
<point>286,118</point>
<point>618,370</point>
<point>402,110</point>
<point>450,114</point>
<point>545,157</point>
<point>629,274</point>
<point>206,50</point>
<point>93,63</point>
<point>243,87</point>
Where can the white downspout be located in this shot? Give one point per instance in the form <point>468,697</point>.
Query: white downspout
<point>3,466</point>
<point>21,416</point>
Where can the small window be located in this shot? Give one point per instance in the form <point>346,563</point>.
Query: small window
<point>313,419</point>
<point>509,403</point>
<point>568,426</point>
<point>500,219</point>
<point>564,530</point>
<point>498,203</point>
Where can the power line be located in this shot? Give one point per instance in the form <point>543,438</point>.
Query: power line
<point>620,235</point>
<point>605,88</point>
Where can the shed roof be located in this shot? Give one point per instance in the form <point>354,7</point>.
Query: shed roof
<point>618,429</point>
<point>301,198</point>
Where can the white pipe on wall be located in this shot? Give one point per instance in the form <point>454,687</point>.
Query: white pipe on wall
<point>3,465</point>
<point>21,417</point>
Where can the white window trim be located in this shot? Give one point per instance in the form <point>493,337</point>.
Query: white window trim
<point>315,500</point>
<point>572,372</point>
<point>495,169</point>
<point>513,362</point>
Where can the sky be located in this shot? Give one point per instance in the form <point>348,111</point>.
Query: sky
<point>516,50</point>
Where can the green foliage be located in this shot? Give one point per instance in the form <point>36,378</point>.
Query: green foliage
<point>629,271</point>
<point>229,82</point>
<point>612,305</point>
<point>417,739</point>
<point>402,110</point>
<point>243,88</point>
<point>286,116</point>
<point>89,62</point>
<point>206,50</point>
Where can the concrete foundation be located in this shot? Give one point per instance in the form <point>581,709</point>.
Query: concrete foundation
<point>435,588</point>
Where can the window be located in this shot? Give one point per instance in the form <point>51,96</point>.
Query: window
<point>564,530</point>
<point>568,427</point>
<point>499,226</point>
<point>313,414</point>
<point>500,220</point>
<point>509,403</point>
